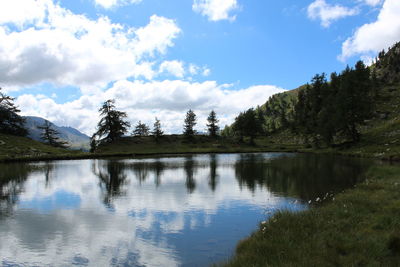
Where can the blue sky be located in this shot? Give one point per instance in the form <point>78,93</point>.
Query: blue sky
<point>160,58</point>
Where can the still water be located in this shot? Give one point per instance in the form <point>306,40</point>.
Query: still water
<point>164,211</point>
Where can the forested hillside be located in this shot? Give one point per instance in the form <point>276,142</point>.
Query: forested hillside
<point>359,104</point>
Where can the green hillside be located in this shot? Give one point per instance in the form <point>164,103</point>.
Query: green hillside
<point>379,128</point>
<point>20,148</point>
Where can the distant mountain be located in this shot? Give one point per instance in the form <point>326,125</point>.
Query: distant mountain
<point>75,138</point>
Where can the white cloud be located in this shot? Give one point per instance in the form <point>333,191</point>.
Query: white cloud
<point>327,13</point>
<point>173,67</point>
<point>168,100</point>
<point>206,72</point>
<point>68,49</point>
<point>114,3</point>
<point>193,69</point>
<point>20,12</point>
<point>157,36</point>
<point>216,9</point>
<point>375,36</point>
<point>372,2</point>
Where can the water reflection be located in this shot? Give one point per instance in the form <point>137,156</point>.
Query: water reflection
<point>112,178</point>
<point>190,170</point>
<point>171,211</point>
<point>213,172</point>
<point>300,176</point>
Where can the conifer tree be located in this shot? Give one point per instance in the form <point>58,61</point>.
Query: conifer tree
<point>112,125</point>
<point>10,121</point>
<point>190,122</point>
<point>50,136</point>
<point>141,129</point>
<point>157,131</point>
<point>212,125</point>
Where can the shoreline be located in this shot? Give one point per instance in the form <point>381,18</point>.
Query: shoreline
<point>87,155</point>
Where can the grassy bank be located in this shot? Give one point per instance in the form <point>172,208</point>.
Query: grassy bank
<point>359,227</point>
<point>176,144</point>
<point>15,148</point>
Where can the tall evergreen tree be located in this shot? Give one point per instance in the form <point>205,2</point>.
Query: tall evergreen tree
<point>190,122</point>
<point>50,136</point>
<point>10,121</point>
<point>157,131</point>
<point>141,129</point>
<point>354,100</point>
<point>212,125</point>
<point>112,124</point>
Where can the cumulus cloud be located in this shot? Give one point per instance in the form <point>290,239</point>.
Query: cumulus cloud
<point>168,100</point>
<point>174,67</point>
<point>216,9</point>
<point>114,3</point>
<point>375,36</point>
<point>320,10</point>
<point>69,49</point>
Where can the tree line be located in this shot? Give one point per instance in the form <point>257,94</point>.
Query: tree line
<point>113,125</point>
<point>322,112</point>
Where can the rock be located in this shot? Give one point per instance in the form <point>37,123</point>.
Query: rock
<point>2,143</point>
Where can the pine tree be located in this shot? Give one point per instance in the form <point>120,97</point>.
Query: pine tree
<point>212,125</point>
<point>10,121</point>
<point>112,124</point>
<point>190,122</point>
<point>50,136</point>
<point>354,102</point>
<point>157,131</point>
<point>141,129</point>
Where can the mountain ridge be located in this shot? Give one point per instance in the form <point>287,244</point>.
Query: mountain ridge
<point>74,137</point>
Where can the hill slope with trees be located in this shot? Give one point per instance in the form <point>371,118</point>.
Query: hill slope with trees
<point>355,111</point>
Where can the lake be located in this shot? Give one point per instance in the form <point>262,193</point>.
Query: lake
<point>162,211</point>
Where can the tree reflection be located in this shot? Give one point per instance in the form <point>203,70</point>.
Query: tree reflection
<point>249,170</point>
<point>189,170</point>
<point>158,171</point>
<point>112,177</point>
<point>12,181</point>
<point>213,172</point>
<point>303,176</point>
<point>141,170</point>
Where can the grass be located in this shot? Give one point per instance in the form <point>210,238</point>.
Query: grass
<point>177,144</point>
<point>16,148</point>
<point>360,227</point>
